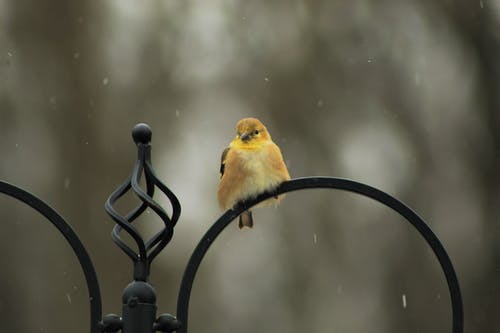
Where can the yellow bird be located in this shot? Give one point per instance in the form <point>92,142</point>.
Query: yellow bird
<point>251,165</point>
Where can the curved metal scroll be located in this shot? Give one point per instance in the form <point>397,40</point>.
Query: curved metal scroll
<point>65,229</point>
<point>317,183</point>
<point>146,251</point>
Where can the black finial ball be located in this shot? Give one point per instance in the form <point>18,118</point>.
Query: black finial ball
<point>142,133</point>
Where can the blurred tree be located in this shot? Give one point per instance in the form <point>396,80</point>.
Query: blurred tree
<point>398,94</point>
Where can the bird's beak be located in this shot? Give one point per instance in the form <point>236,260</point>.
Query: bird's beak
<point>245,137</point>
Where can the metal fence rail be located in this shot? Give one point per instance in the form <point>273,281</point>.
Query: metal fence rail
<point>76,245</point>
<point>139,297</point>
<point>324,183</point>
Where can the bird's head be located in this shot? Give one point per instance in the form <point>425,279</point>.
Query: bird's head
<point>251,131</point>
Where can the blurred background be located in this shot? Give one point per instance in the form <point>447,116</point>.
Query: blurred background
<point>401,95</point>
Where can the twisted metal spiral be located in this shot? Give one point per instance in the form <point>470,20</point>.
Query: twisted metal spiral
<point>146,251</point>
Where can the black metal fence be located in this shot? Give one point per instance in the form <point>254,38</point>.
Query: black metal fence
<point>139,309</point>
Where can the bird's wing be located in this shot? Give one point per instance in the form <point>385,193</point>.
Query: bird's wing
<point>276,161</point>
<point>223,161</point>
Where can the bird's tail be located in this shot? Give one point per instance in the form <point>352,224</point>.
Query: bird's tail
<point>246,219</point>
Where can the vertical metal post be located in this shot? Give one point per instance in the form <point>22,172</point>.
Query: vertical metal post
<point>138,308</point>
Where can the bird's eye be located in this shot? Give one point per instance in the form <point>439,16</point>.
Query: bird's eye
<point>256,132</point>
